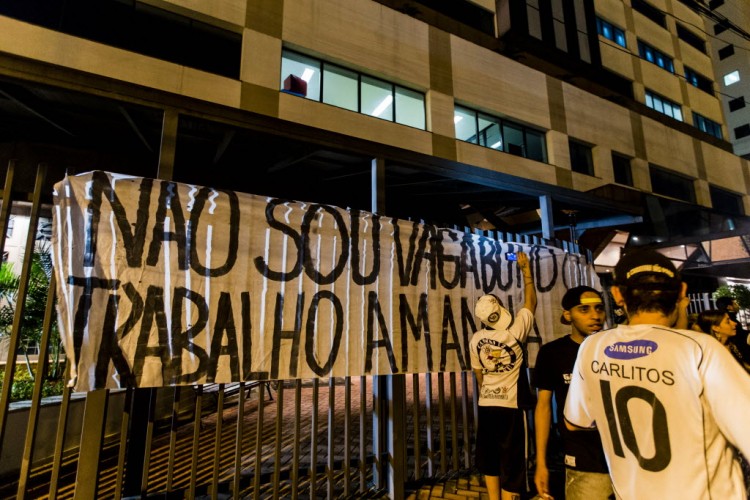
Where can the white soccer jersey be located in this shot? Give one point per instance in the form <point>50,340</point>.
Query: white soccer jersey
<point>666,404</point>
<point>499,354</point>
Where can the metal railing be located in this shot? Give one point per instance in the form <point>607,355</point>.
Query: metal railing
<point>336,438</point>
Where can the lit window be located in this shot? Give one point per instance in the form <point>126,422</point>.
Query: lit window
<point>731,78</point>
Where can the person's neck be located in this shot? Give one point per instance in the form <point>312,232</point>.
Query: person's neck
<point>651,318</point>
<point>577,336</point>
<point>722,338</point>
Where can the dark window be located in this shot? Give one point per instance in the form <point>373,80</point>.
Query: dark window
<point>655,56</point>
<point>736,104</point>
<point>706,125</point>
<point>742,131</point>
<point>721,27</point>
<point>581,160</point>
<point>622,169</point>
<point>691,38</point>
<point>671,184</point>
<point>697,80</point>
<point>465,12</point>
<point>726,51</point>
<point>139,28</point>
<point>726,201</point>
<point>610,32</point>
<point>498,133</point>
<point>650,12</point>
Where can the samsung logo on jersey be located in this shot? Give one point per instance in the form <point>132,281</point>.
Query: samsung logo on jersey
<point>630,350</point>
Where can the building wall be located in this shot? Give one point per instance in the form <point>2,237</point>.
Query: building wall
<point>738,12</point>
<point>369,37</point>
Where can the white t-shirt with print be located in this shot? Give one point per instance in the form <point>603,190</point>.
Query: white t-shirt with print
<point>669,406</point>
<point>499,354</point>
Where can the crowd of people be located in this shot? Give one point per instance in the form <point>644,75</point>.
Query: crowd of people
<point>652,407</point>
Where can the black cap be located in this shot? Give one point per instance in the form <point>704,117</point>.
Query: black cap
<point>572,298</point>
<point>639,263</point>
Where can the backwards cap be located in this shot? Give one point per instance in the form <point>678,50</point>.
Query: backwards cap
<point>491,312</point>
<point>638,264</point>
<point>573,298</point>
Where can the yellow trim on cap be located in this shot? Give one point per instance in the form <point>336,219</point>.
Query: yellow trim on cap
<point>649,268</point>
<point>591,300</point>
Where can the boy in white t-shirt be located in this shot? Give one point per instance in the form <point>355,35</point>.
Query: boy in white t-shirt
<point>669,404</point>
<point>499,363</point>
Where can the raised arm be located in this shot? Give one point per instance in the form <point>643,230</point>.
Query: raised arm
<point>529,290</point>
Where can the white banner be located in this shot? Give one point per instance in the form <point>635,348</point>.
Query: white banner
<point>161,283</point>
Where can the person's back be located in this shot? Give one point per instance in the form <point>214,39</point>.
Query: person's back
<point>663,400</point>
<point>667,403</point>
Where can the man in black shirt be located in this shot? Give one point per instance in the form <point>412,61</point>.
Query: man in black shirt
<point>586,473</point>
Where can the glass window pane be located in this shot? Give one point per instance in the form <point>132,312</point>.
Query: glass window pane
<point>466,125</point>
<point>340,87</point>
<point>677,113</point>
<point>513,139</point>
<point>620,38</point>
<point>658,105</point>
<point>535,145</point>
<point>410,108</point>
<point>489,133</point>
<point>377,98</point>
<point>295,68</point>
<point>732,77</point>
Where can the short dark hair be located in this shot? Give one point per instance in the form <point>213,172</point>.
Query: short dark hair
<point>724,302</point>
<point>648,281</point>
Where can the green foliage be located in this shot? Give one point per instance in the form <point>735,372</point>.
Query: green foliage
<point>31,326</point>
<point>740,293</point>
<point>23,385</point>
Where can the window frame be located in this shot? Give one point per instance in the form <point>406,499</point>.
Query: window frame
<point>661,101</point>
<point>707,125</point>
<point>602,25</point>
<point>649,53</point>
<point>397,92</point>
<point>481,134</point>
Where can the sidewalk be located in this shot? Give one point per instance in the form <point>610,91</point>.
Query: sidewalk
<point>453,489</point>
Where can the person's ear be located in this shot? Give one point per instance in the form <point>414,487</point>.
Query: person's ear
<point>567,317</point>
<point>617,295</point>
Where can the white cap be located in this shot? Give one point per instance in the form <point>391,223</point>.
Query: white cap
<point>492,313</point>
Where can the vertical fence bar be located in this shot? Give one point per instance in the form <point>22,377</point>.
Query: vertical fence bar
<point>217,443</point>
<point>197,422</point>
<point>173,437</point>
<point>92,433</point>
<point>238,441</point>
<point>297,437</point>
<point>331,441</point>
<point>454,421</point>
<point>258,446</point>
<point>41,376</point>
<point>465,418</point>
<point>441,426</point>
<point>428,415</point>
<point>347,434</point>
<point>279,433</point>
<point>314,441</point>
<point>62,424</point>
<point>417,433</point>
<point>18,313</point>
<point>362,434</point>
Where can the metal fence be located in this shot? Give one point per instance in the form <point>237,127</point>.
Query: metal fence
<point>352,437</point>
